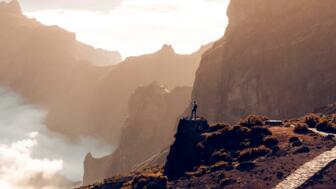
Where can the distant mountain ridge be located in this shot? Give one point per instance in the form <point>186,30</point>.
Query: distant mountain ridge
<point>12,7</point>
<point>163,67</point>
<point>51,69</point>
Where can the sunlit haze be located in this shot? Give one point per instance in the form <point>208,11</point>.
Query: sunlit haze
<point>167,94</point>
<point>136,27</point>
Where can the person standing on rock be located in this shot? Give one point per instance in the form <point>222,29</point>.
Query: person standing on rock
<point>194,111</point>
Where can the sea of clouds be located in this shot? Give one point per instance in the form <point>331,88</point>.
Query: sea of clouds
<point>33,157</point>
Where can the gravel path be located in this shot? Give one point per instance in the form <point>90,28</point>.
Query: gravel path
<point>309,169</point>
<point>306,171</point>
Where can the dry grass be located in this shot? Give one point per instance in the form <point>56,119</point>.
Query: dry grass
<point>253,120</point>
<point>253,153</point>
<point>327,127</point>
<point>271,141</point>
<point>301,129</point>
<point>312,120</point>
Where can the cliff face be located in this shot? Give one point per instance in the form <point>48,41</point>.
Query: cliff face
<point>164,67</point>
<point>153,112</point>
<point>276,58</point>
<point>184,152</point>
<point>51,69</point>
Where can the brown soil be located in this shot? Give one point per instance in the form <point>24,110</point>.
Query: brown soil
<point>269,171</point>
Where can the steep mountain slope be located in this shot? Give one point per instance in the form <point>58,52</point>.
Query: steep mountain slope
<point>249,155</point>
<point>153,112</point>
<point>276,58</point>
<point>47,65</point>
<point>164,67</point>
<point>51,69</point>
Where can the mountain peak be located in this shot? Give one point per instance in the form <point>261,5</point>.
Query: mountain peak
<point>12,7</point>
<point>167,49</point>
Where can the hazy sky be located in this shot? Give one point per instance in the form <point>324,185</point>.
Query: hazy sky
<point>135,27</point>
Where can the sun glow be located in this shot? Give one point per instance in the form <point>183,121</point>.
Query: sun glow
<point>139,27</point>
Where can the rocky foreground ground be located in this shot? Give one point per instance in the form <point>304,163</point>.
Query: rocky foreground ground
<point>251,154</point>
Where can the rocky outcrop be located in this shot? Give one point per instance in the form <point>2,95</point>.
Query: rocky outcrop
<point>51,69</point>
<point>197,144</point>
<point>276,58</point>
<point>149,128</point>
<point>184,154</point>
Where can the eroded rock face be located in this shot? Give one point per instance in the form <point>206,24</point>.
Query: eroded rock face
<point>276,58</point>
<point>184,153</point>
<point>150,126</point>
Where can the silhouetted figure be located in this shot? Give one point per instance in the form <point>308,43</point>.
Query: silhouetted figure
<point>194,111</point>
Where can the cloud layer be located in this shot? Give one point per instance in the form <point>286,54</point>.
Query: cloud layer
<point>32,157</point>
<point>101,5</point>
<point>19,170</point>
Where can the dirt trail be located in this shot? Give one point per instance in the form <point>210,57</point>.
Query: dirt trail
<point>309,169</point>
